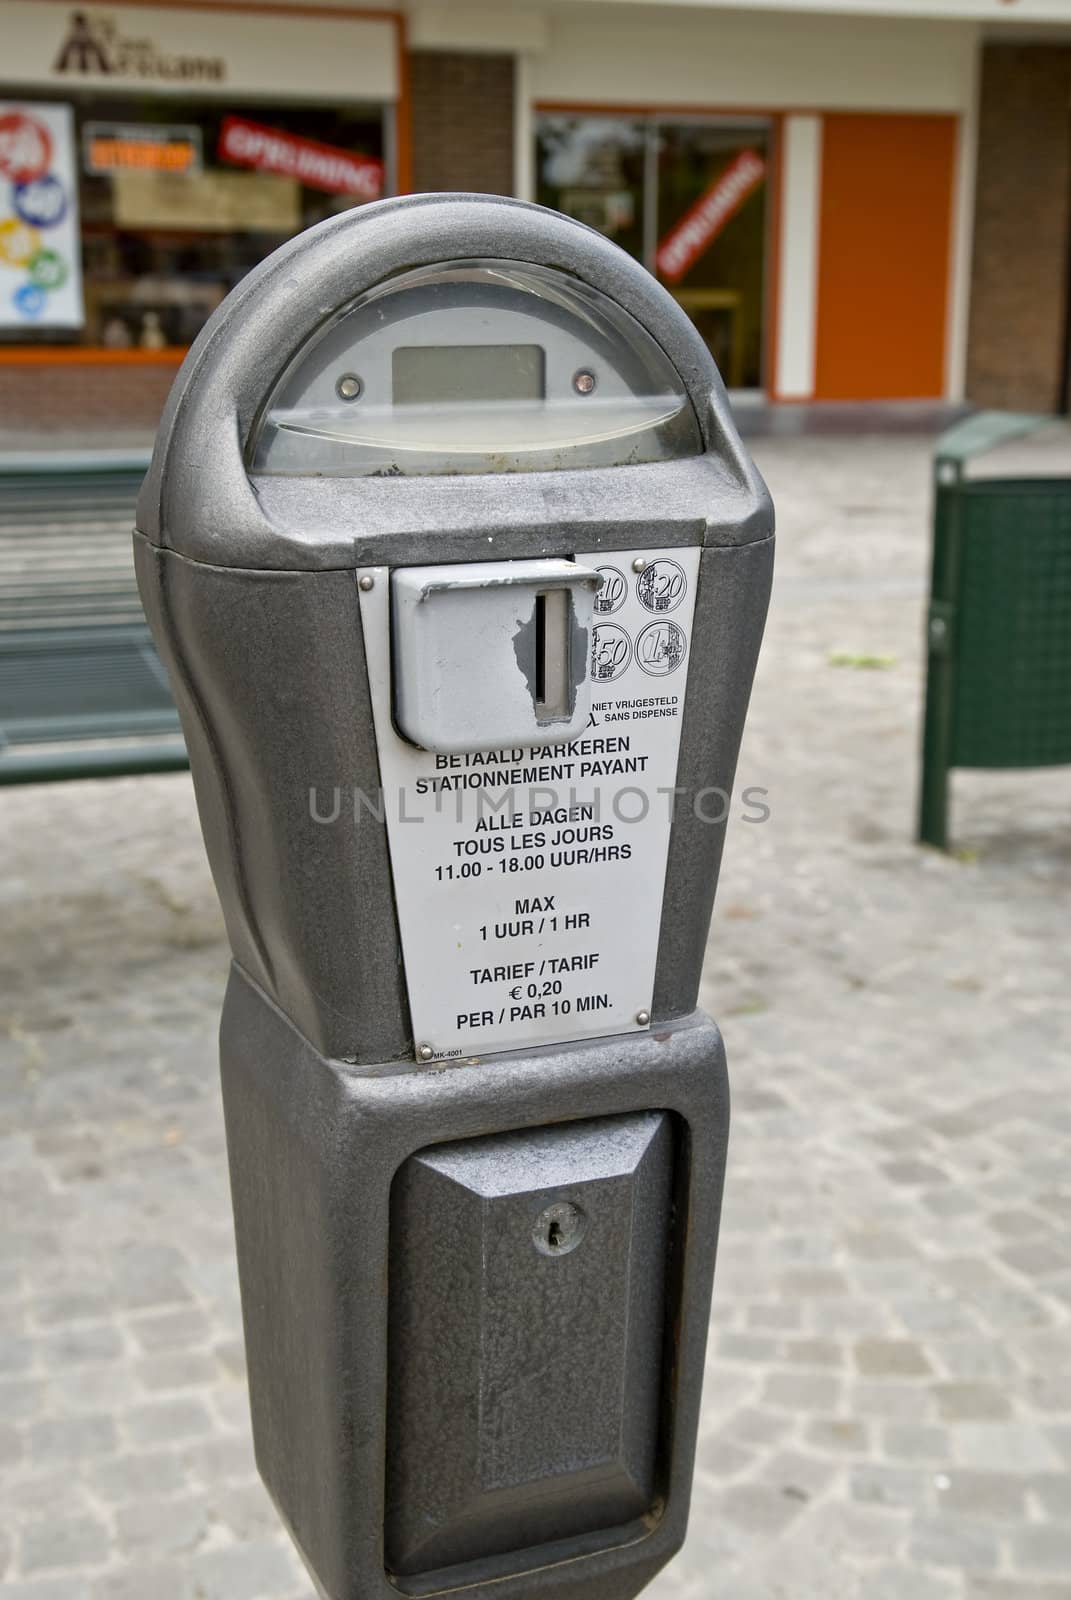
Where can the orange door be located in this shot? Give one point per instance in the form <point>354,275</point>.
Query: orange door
<point>884,241</point>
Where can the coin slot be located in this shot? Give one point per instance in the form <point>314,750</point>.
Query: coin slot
<point>552,687</point>
<point>541,649</point>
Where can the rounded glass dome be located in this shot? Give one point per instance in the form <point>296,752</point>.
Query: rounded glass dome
<point>475,367</point>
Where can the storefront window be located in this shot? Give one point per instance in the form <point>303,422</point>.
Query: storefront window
<point>592,168</point>
<point>178,199</point>
<point>694,191</point>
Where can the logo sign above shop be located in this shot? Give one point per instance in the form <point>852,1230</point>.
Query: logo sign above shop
<point>109,147</point>
<point>209,51</point>
<point>95,46</point>
<point>318,166</point>
<point>702,222</point>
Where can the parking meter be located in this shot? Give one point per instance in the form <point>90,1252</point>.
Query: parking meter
<point>459,570</point>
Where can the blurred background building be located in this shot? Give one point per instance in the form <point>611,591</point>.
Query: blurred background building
<point>855,200</point>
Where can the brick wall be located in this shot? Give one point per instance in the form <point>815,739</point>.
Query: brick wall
<point>462,110</point>
<point>1019,279</point>
<point>40,402</point>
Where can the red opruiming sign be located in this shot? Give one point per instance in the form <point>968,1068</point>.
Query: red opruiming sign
<point>320,166</point>
<point>702,222</point>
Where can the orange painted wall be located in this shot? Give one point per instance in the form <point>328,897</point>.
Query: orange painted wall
<point>884,240</point>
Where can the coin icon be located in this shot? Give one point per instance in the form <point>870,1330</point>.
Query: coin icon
<point>611,597</point>
<point>661,648</point>
<point>662,585</point>
<point>611,649</point>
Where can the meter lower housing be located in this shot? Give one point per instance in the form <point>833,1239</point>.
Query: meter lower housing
<point>483,1360</point>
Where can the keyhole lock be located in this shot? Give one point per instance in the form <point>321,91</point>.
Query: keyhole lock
<point>559,1229</point>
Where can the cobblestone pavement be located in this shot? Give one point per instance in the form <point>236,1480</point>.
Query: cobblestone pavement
<point>888,1400</point>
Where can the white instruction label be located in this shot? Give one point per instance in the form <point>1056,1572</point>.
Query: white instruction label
<point>529,881</point>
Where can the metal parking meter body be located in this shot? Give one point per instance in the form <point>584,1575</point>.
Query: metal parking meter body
<point>459,570</point>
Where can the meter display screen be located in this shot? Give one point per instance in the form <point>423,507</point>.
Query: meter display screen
<point>442,374</point>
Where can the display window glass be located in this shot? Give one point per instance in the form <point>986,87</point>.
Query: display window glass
<point>178,199</point>
<point>689,197</point>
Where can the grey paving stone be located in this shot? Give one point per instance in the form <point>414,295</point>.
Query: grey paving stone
<point>72,1306</point>
<point>914,1172</point>
<point>230,1403</point>
<point>219,1459</point>
<point>38,1495</point>
<point>231,1356</point>
<point>258,1571</point>
<point>975,1358</point>
<point>159,1580</point>
<point>171,1329</point>
<point>911,1441</point>
<point>954,1542</point>
<point>940,1316</point>
<point>906,1401</point>
<point>69,1587</point>
<point>950,1202</point>
<point>1037,1258</point>
<point>719,1457</point>
<point>247,1511</point>
<point>22,1399</point>
<point>177,1369</point>
<point>1017,1224</point>
<point>807,1283</point>
<point>863,1532</point>
<point>56,1541</point>
<point>971,1402</point>
<point>11,1445</point>
<point>801,1391</point>
<point>747,1347</point>
<point>843,1435</point>
<point>1045,1547</point>
<point>753,1427</point>
<point>1009,1446</point>
<point>800,1475</point>
<point>982,1494</point>
<point>170,1527</point>
<point>891,1358</point>
<point>812,1352</point>
<point>1016,1589</point>
<point>759,1508</point>
<point>130,1477</point>
<point>104,1388</point>
<point>1053,1491</point>
<point>878,1484</point>
<point>71,1439</point>
<point>164,1422</point>
<point>1059,1437</point>
<point>70,1346</point>
<point>909,1583</point>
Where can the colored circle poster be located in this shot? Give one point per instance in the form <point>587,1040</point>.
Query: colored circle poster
<point>40,265</point>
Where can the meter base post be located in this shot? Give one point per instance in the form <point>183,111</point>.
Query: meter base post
<point>365,1199</point>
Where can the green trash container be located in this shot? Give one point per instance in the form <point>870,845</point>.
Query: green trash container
<point>998,681</point>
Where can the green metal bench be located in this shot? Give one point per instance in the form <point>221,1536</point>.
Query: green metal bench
<point>998,681</point>
<point>82,691</point>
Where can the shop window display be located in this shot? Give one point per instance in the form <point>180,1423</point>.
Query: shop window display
<point>688,197</point>
<point>179,199</point>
